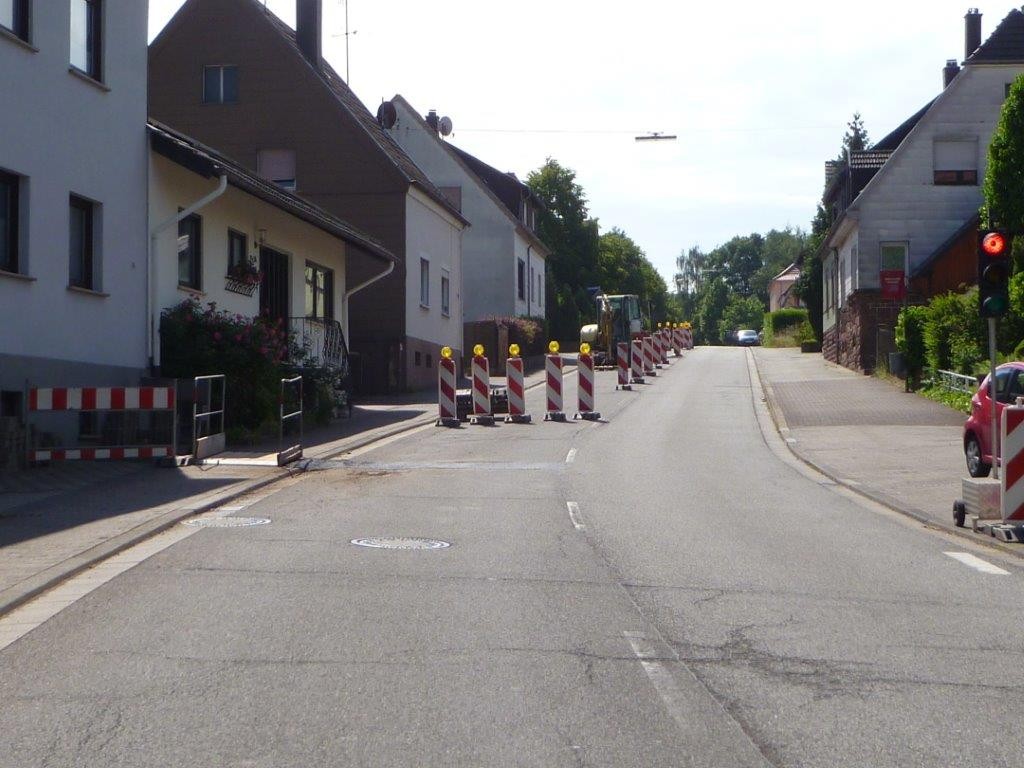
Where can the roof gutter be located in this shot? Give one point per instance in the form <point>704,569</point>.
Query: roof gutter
<point>390,268</point>
<point>151,267</point>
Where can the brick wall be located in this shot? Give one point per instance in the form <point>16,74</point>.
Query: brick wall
<point>852,341</point>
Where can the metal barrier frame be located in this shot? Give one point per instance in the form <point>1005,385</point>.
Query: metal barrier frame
<point>293,452</point>
<point>956,382</point>
<point>202,447</point>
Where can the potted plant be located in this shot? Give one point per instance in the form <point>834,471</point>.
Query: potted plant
<point>244,277</point>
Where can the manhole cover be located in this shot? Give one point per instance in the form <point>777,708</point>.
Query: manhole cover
<point>225,522</point>
<point>399,542</point>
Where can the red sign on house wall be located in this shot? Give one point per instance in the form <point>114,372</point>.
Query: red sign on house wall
<point>893,284</point>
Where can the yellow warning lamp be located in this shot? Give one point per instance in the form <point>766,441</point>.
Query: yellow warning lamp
<point>659,325</point>
<point>446,353</point>
<point>513,350</point>
<point>553,347</point>
<point>584,348</point>
<point>478,350</point>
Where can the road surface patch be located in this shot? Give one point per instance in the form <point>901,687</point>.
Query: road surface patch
<point>574,515</point>
<point>225,522</point>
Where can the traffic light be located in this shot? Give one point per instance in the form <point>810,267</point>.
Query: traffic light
<point>993,272</point>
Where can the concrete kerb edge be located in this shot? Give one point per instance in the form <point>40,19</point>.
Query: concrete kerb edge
<point>776,414</point>
<point>18,595</point>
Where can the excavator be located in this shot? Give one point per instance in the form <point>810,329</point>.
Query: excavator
<point>618,319</point>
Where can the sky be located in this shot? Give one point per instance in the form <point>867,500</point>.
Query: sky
<point>758,94</point>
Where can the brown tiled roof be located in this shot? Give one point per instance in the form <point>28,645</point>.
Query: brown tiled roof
<point>367,121</point>
<point>201,159</point>
<point>1005,44</point>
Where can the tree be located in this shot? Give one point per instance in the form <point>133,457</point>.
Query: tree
<point>624,268</point>
<point>1003,188</point>
<point>808,288</point>
<point>566,226</point>
<point>781,248</point>
<point>856,137</point>
<point>714,298</point>
<point>737,261</point>
<point>741,312</point>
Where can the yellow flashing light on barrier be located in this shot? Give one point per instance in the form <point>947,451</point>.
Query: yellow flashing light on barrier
<point>513,350</point>
<point>446,353</point>
<point>659,325</point>
<point>584,348</point>
<point>553,347</point>
<point>478,350</point>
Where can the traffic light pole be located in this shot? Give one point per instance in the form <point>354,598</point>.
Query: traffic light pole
<point>994,442</point>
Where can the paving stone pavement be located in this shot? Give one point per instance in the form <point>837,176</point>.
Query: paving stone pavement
<point>898,448</point>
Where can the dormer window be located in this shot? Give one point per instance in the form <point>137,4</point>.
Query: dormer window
<point>278,166</point>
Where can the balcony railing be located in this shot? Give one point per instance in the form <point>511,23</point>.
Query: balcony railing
<point>321,344</point>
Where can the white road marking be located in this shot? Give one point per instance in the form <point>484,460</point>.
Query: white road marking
<point>574,515</point>
<point>661,679</point>
<point>977,563</point>
<point>570,457</point>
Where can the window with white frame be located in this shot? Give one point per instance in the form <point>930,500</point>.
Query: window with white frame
<point>445,293</point>
<point>955,162</point>
<point>424,282</point>
<point>220,84</point>
<point>521,279</point>
<point>319,292</point>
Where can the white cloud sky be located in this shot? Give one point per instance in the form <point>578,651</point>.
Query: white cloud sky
<point>758,94</point>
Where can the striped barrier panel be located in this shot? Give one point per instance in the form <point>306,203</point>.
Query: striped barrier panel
<point>481,390</point>
<point>649,356</point>
<point>687,338</point>
<point>516,392</point>
<point>637,361</point>
<point>553,388</point>
<point>585,389</point>
<point>677,341</point>
<point>96,454</point>
<point>1011,479</point>
<point>447,412</point>
<point>101,399</point>
<point>622,356</point>
<point>87,399</point>
<point>656,348</point>
<point>665,344</point>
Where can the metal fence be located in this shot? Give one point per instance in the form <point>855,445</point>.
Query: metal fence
<point>290,406</point>
<point>953,381</point>
<point>209,395</point>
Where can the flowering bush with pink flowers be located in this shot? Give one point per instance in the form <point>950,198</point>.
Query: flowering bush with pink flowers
<point>201,340</point>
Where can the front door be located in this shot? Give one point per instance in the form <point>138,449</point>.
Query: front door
<point>274,284</point>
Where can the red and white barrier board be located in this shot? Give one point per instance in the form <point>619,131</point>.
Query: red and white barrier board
<point>585,389</point>
<point>649,356</point>
<point>687,338</point>
<point>553,388</point>
<point>656,348</point>
<point>101,399</point>
<point>677,341</point>
<point>481,390</point>
<point>516,391</point>
<point>637,361</point>
<point>1012,476</point>
<point>622,357</point>
<point>95,454</point>
<point>665,343</point>
<point>447,413</point>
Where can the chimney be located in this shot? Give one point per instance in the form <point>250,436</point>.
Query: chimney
<point>949,72</point>
<point>309,29</point>
<point>432,119</point>
<point>972,32</point>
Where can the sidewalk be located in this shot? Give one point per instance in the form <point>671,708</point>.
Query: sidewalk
<point>899,449</point>
<point>59,520</point>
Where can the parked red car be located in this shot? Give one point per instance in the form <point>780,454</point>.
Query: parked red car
<point>978,428</point>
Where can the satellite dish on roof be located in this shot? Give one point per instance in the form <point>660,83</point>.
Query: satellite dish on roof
<point>444,125</point>
<point>387,115</point>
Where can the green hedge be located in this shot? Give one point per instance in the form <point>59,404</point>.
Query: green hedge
<point>910,339</point>
<point>787,327</point>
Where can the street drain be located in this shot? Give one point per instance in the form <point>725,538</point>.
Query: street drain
<point>400,542</point>
<point>225,522</point>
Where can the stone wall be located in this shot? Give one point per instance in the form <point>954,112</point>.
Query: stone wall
<point>852,341</point>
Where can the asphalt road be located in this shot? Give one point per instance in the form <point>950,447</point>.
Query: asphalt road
<point>659,589</point>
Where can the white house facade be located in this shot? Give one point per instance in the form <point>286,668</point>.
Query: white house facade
<point>210,218</point>
<point>925,185</point>
<point>73,164</point>
<point>503,259</point>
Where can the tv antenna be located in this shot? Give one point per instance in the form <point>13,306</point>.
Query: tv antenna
<point>346,35</point>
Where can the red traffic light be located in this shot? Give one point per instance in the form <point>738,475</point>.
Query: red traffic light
<point>993,243</point>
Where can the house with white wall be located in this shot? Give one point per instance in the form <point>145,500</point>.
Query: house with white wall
<point>503,258</point>
<point>234,76</point>
<point>73,229</point>
<point>898,204</point>
<point>221,234</point>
